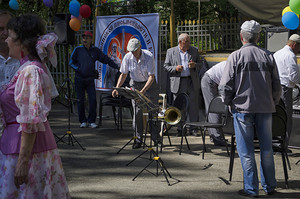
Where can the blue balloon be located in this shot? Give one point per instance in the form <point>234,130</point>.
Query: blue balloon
<point>13,4</point>
<point>74,2</point>
<point>290,20</point>
<point>74,9</point>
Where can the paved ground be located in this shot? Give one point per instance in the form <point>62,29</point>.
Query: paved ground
<point>99,172</point>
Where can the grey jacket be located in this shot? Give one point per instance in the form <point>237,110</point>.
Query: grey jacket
<point>173,59</point>
<point>250,82</point>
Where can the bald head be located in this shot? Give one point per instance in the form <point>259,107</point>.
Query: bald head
<point>184,42</point>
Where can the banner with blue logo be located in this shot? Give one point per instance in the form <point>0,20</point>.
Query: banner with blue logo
<point>112,36</point>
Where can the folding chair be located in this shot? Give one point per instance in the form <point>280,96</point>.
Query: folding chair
<point>216,106</point>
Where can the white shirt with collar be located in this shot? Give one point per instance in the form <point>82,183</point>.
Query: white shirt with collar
<point>215,73</point>
<point>8,68</point>
<point>185,63</point>
<point>287,67</point>
<point>139,70</point>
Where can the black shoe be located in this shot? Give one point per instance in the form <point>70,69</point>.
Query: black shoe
<point>270,193</point>
<point>224,143</point>
<point>179,133</point>
<point>194,133</point>
<point>219,141</point>
<point>136,145</point>
<point>157,143</point>
<point>243,193</point>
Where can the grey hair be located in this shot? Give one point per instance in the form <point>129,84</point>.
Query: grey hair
<point>6,12</point>
<point>182,36</point>
<point>250,37</point>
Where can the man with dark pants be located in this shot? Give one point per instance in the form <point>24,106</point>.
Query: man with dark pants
<point>209,86</point>
<point>140,63</point>
<point>250,85</point>
<point>83,61</point>
<point>289,76</point>
<point>183,65</point>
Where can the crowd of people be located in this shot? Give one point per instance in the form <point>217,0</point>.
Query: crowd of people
<point>251,82</point>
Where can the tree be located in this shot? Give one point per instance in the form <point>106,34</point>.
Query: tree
<point>183,9</point>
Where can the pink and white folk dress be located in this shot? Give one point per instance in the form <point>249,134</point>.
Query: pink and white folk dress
<point>24,106</point>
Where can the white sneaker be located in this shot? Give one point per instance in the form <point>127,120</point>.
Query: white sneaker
<point>83,125</point>
<point>93,125</point>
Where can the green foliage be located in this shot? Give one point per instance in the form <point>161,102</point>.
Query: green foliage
<point>183,9</point>
<point>218,9</point>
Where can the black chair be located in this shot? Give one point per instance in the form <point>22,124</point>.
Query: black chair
<point>216,106</point>
<point>119,102</point>
<point>279,119</point>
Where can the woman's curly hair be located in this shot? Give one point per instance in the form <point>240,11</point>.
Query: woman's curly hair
<point>28,28</point>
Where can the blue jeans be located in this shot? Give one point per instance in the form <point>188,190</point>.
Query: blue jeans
<point>246,125</point>
<point>82,85</point>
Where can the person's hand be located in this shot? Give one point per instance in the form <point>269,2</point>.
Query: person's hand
<point>115,93</point>
<point>143,91</point>
<point>21,173</point>
<point>179,68</point>
<point>192,64</point>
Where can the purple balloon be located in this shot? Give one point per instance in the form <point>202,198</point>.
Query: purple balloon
<point>48,3</point>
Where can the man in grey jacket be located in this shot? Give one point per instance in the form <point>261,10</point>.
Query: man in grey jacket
<point>183,65</point>
<point>250,85</point>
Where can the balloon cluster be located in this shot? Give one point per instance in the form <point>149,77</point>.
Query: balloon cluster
<point>77,13</point>
<point>13,4</point>
<point>290,15</point>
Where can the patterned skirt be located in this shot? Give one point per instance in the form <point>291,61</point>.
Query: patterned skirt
<point>46,178</point>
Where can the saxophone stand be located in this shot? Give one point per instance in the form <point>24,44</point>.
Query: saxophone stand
<point>132,95</point>
<point>160,166</point>
<point>69,132</point>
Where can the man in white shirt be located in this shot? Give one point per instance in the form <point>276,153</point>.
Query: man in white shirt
<point>8,65</point>
<point>209,86</point>
<point>140,63</point>
<point>289,75</point>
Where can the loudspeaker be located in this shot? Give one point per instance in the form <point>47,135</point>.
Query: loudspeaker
<point>62,29</point>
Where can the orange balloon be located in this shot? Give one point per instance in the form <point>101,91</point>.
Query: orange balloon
<point>74,24</point>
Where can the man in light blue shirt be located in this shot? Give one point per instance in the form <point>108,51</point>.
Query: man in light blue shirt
<point>8,65</point>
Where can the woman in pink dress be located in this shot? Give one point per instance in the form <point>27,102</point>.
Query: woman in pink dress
<point>30,166</point>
